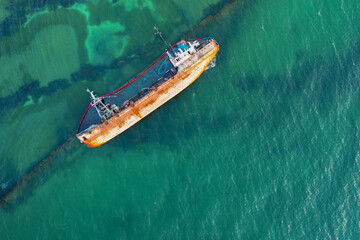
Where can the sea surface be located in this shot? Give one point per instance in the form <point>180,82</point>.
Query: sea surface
<point>263,146</point>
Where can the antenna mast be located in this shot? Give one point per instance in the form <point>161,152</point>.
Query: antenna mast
<point>160,35</point>
<point>100,106</point>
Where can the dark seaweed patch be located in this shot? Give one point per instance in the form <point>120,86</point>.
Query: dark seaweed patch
<point>32,90</point>
<point>215,8</point>
<point>12,24</point>
<point>88,72</point>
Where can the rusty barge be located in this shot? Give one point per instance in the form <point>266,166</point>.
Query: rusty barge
<point>109,115</point>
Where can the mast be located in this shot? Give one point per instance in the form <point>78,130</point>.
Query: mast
<point>174,70</point>
<point>162,38</point>
<point>100,105</point>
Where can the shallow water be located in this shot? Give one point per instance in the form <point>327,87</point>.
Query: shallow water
<point>264,145</point>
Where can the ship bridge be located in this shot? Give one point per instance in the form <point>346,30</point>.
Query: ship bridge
<point>182,51</point>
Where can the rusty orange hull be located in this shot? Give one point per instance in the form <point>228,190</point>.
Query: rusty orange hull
<point>130,116</point>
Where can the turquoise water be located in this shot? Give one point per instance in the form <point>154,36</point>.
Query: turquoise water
<point>263,146</point>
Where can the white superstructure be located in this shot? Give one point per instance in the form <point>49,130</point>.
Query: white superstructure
<point>182,54</point>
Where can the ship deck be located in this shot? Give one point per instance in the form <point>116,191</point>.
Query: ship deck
<point>136,89</point>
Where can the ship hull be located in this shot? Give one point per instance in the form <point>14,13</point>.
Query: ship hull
<point>130,116</point>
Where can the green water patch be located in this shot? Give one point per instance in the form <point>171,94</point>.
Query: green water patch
<point>20,41</point>
<point>16,15</point>
<point>51,55</point>
<point>3,11</point>
<point>82,8</point>
<point>29,102</point>
<point>140,14</point>
<point>264,38</point>
<point>315,81</point>
<point>137,4</point>
<point>254,155</point>
<point>32,129</point>
<point>289,123</point>
<point>24,187</point>
<point>139,172</point>
<point>47,49</point>
<point>105,42</point>
<point>97,12</point>
<point>55,54</point>
<point>33,15</point>
<point>8,174</point>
